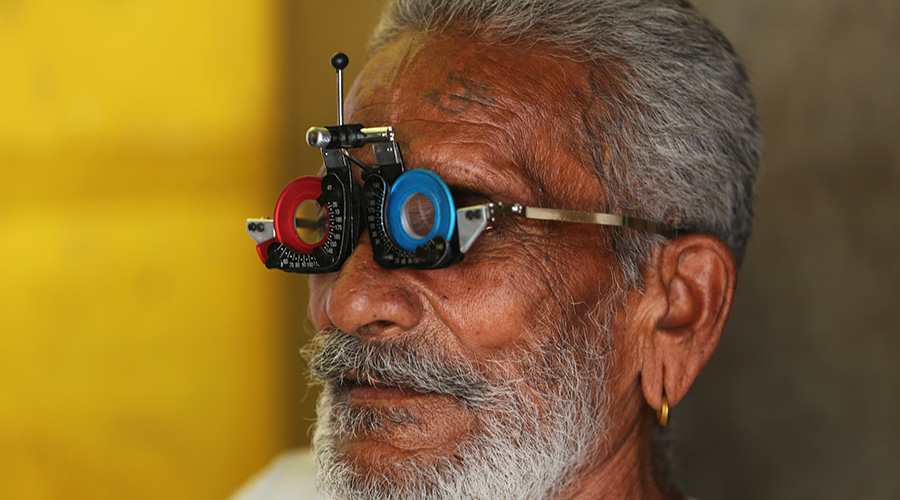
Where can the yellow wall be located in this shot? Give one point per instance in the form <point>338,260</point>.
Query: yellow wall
<point>146,354</point>
<point>136,326</point>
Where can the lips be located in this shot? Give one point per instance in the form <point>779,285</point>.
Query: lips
<point>367,387</point>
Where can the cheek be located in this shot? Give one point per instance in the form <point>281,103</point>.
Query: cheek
<point>491,308</point>
<point>319,288</point>
<point>496,298</point>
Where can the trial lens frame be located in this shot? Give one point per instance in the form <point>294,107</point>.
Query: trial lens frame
<point>399,235</point>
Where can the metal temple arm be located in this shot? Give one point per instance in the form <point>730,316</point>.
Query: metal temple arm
<point>473,220</point>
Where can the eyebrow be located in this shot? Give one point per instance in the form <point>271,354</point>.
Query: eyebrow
<point>481,178</point>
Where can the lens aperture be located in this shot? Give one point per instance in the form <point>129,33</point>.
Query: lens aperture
<point>417,216</point>
<point>311,222</point>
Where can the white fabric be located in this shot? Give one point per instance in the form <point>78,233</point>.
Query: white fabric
<point>291,476</point>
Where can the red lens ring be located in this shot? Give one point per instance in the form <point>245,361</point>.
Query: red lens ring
<point>295,193</point>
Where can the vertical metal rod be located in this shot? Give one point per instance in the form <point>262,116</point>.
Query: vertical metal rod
<point>340,96</point>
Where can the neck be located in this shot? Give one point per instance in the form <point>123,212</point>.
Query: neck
<point>626,471</point>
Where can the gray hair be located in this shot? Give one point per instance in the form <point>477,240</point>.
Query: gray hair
<point>676,138</point>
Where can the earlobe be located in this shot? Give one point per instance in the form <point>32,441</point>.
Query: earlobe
<point>692,287</point>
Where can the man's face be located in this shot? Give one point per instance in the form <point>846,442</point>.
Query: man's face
<point>430,368</point>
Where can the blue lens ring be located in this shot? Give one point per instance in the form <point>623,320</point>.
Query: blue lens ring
<point>430,185</point>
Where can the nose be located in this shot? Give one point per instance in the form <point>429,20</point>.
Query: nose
<point>364,298</point>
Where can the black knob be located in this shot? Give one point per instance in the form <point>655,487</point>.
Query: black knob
<point>340,61</point>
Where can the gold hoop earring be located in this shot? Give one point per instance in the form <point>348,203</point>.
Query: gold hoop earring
<point>662,415</point>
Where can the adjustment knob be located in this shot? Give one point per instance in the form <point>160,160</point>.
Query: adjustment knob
<point>318,137</point>
<point>340,61</point>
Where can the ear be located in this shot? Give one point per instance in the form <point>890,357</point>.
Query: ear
<point>688,293</point>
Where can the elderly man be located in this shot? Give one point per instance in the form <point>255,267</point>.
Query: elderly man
<point>542,364</point>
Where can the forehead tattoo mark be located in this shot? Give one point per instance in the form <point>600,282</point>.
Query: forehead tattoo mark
<point>461,94</point>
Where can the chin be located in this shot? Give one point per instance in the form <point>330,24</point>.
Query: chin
<point>398,452</point>
<point>385,450</point>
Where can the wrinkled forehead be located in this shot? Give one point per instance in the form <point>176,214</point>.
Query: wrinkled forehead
<point>524,102</point>
<point>469,78</point>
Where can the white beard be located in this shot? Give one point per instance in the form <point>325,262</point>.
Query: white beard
<point>532,436</point>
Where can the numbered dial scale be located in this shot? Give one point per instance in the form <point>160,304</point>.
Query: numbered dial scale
<point>410,215</point>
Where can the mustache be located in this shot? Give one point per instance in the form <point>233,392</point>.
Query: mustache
<point>413,362</point>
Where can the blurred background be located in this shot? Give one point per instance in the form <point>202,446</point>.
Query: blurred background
<point>146,353</point>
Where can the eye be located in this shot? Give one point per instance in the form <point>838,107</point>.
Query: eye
<point>466,198</point>
<point>417,215</point>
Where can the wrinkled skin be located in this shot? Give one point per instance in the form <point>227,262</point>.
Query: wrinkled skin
<point>459,108</point>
